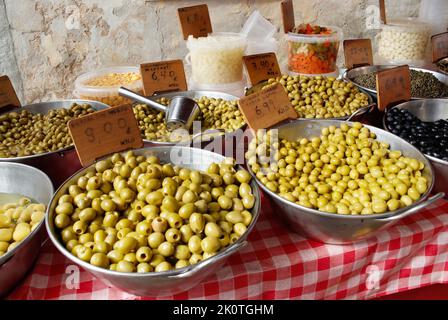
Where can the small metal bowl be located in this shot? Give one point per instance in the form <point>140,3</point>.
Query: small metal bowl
<point>16,178</point>
<point>344,229</point>
<point>358,113</point>
<point>58,164</point>
<point>167,282</point>
<point>349,75</point>
<point>429,110</point>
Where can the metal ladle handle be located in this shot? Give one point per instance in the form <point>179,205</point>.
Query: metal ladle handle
<point>122,91</point>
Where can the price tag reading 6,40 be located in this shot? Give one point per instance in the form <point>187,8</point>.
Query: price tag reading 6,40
<point>104,132</point>
<point>393,85</point>
<point>267,107</point>
<point>163,76</point>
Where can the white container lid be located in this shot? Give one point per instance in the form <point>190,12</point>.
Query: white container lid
<point>217,41</point>
<point>82,89</point>
<point>335,35</point>
<point>234,88</point>
<point>258,27</point>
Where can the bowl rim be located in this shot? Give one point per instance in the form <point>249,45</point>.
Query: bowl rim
<point>29,106</point>
<point>174,272</point>
<point>342,217</point>
<point>8,255</point>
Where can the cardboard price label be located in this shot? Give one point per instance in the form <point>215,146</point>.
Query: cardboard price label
<point>104,132</point>
<point>288,15</point>
<point>267,107</point>
<point>8,96</point>
<point>393,85</point>
<point>439,46</point>
<point>163,76</point>
<point>358,52</point>
<point>261,67</point>
<point>195,20</point>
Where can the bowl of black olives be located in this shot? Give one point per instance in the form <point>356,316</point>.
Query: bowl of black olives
<point>424,124</point>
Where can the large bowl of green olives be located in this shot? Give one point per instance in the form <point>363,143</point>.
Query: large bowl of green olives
<point>339,182</point>
<point>37,135</point>
<point>24,194</point>
<point>322,97</point>
<point>154,221</point>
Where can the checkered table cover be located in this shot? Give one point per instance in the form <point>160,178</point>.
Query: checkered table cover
<point>279,264</point>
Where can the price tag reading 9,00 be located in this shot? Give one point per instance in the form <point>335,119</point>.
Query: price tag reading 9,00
<point>103,132</point>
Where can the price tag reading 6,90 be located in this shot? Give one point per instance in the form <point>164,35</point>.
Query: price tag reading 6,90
<point>101,133</point>
<point>267,107</point>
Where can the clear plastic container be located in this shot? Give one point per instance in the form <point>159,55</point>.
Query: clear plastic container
<point>314,54</point>
<point>102,85</point>
<point>258,27</point>
<point>217,58</point>
<point>235,88</point>
<point>403,41</point>
<point>265,46</point>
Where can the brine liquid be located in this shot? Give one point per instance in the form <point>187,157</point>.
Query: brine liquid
<point>11,198</point>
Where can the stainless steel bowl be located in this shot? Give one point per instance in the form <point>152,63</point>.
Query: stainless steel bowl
<point>167,282</point>
<point>429,110</point>
<point>61,164</point>
<point>349,75</point>
<point>358,113</point>
<point>16,178</point>
<point>344,229</point>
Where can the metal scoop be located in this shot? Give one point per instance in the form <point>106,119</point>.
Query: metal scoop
<point>180,113</point>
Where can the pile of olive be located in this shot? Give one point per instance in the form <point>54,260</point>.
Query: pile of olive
<point>215,114</point>
<point>17,221</point>
<point>429,137</point>
<point>23,133</point>
<point>133,213</point>
<point>321,97</point>
<point>345,171</point>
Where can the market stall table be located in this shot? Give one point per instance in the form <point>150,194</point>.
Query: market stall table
<point>278,264</point>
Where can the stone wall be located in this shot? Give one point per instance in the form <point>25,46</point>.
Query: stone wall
<point>45,44</point>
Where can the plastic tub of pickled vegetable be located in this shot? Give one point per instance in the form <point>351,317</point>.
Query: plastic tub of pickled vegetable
<point>313,50</point>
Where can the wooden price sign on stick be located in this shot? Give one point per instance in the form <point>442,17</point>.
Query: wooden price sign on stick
<point>393,86</point>
<point>104,132</point>
<point>383,11</point>
<point>8,96</point>
<point>358,52</point>
<point>267,107</point>
<point>163,76</point>
<point>439,46</point>
<point>261,67</point>
<point>195,21</point>
<point>288,15</point>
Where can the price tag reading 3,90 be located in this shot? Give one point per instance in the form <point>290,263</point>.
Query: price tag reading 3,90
<point>104,132</point>
<point>261,67</point>
<point>267,107</point>
<point>163,76</point>
<point>393,85</point>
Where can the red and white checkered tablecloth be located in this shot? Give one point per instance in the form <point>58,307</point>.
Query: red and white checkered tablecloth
<point>278,264</point>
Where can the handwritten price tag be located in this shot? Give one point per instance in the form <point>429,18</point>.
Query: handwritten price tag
<point>288,15</point>
<point>439,46</point>
<point>261,67</point>
<point>8,96</point>
<point>393,85</point>
<point>104,132</point>
<point>195,20</point>
<point>267,107</point>
<point>163,76</point>
<point>358,52</point>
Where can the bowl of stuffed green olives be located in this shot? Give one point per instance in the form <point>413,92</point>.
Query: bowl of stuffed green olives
<point>340,182</point>
<point>24,194</point>
<point>154,221</point>
<point>37,135</point>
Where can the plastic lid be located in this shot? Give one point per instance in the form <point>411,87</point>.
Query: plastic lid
<point>335,35</point>
<point>217,40</point>
<point>406,25</point>
<point>258,27</point>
